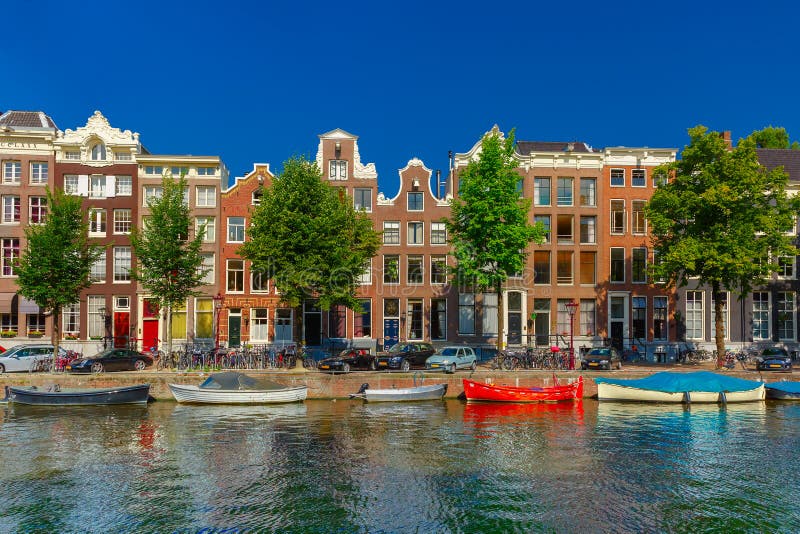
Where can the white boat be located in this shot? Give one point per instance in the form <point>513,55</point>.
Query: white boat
<point>416,393</point>
<point>701,387</point>
<point>236,388</point>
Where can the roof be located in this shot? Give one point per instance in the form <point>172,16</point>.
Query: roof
<point>776,157</point>
<point>26,119</point>
<point>526,147</point>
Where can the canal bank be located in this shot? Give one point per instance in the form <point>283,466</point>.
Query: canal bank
<point>339,386</point>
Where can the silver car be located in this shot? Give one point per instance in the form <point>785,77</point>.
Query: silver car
<point>451,358</point>
<point>27,358</point>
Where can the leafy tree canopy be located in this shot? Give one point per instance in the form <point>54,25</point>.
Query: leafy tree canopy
<point>308,237</point>
<point>771,137</point>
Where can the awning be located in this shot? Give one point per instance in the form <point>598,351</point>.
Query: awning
<point>27,306</point>
<point>5,302</point>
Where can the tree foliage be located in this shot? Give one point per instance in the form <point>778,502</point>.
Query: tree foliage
<point>57,259</point>
<point>771,137</point>
<point>722,218</point>
<point>168,263</point>
<point>308,237</point>
<point>489,226</point>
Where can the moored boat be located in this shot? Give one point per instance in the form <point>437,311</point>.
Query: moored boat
<point>231,387</point>
<point>415,393</point>
<point>666,386</point>
<point>783,390</point>
<point>478,391</point>
<point>56,396</point>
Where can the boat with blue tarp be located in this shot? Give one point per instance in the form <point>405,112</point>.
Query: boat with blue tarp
<point>783,390</point>
<point>669,386</point>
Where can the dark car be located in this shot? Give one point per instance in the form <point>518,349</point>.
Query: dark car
<point>405,355</point>
<point>604,358</point>
<point>774,359</point>
<point>348,359</point>
<point>111,360</point>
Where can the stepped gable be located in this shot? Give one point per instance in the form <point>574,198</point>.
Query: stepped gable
<point>781,157</point>
<point>26,119</point>
<point>526,147</point>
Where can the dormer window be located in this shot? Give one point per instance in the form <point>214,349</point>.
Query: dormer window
<point>99,152</point>
<point>256,200</point>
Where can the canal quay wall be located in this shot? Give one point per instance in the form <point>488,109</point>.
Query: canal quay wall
<point>339,386</point>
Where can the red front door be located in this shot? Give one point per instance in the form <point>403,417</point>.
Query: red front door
<point>122,325</point>
<point>149,335</point>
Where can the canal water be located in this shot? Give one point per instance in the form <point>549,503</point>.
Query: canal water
<point>446,466</point>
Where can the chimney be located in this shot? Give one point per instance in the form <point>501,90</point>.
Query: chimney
<point>726,136</point>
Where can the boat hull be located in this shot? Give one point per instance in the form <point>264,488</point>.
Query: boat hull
<point>616,392</point>
<point>477,391</point>
<point>418,393</point>
<point>777,394</point>
<point>197,395</point>
<point>80,397</point>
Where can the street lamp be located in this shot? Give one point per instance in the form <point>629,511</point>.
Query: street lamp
<point>572,307</point>
<point>218,300</point>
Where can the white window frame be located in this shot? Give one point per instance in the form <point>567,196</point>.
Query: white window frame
<point>391,225</point>
<point>98,270</point>
<point>11,209</point>
<point>12,172</point>
<point>237,226</point>
<point>38,204</point>
<point>71,184</point>
<point>229,272</point>
<point>615,174</point>
<point>123,186</point>
<point>98,221</point>
<point>438,229</point>
<point>97,185</point>
<point>415,233</point>
<point>122,265</point>
<point>151,192</point>
<point>121,221</point>
<point>695,314</point>
<point>337,169</point>
<point>358,198</point>
<point>790,312</point>
<point>210,232</point>
<point>408,203</point>
<point>205,196</point>
<point>40,172</point>
<point>208,267</point>
<point>643,177</point>
<point>614,230</point>
<point>758,308</point>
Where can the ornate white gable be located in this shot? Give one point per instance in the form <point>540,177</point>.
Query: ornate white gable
<point>98,126</point>
<point>360,171</point>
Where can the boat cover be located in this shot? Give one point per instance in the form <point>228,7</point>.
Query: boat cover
<point>670,382</point>
<point>238,381</point>
<point>787,387</point>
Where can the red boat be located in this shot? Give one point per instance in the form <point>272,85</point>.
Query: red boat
<point>478,391</point>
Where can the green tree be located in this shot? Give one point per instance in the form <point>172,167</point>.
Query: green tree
<point>57,259</point>
<point>168,263</point>
<point>308,237</point>
<point>722,218</point>
<point>489,225</point>
<point>771,137</point>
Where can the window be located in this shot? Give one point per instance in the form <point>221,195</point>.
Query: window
<point>415,270</point>
<point>438,233</point>
<point>259,281</point>
<point>660,318</point>
<point>37,209</point>
<point>391,269</point>
<point>638,178</point>
<point>724,315</point>
<point>235,276</point>
<point>466,314</point>
<point>541,191</point>
<point>438,269</point>
<point>204,318</point>
<point>337,169</point>
<point>235,229</point>
<point>588,268</point>
<point>72,316</point>
<point>207,267</point>
<point>659,178</point>
<point>123,156</point>
<point>259,324</point>
<point>97,221</point>
<point>179,321</point>
<point>12,172</point>
<point>562,317</point>
<point>98,270</point>
<point>185,200</point>
<point>35,323</point>
<point>588,229</point>
<point>545,220</point>
<point>10,255</point>
<point>177,172</point>
<point>564,267</point>
<point>39,172</point>
<point>10,208</point>
<point>564,186</point>
<point>123,186</point>
<point>256,197</point>
<point>96,313</point>
<point>207,171</point>
<point>365,278</point>
<point>438,318</point>
<point>639,318</point>
<point>208,227</point>
<point>362,199</point>
<point>617,216</point>
<point>588,189</point>
<point>786,267</point>
<point>564,229</point>
<point>391,233</point>
<point>122,221</point>
<point>541,267</point>
<point>489,314</point>
<point>638,221</point>
<point>415,330</point>
<point>786,315</point>
<point>152,193</point>
<point>8,322</point>
<point>72,155</point>
<point>97,186</point>
<point>206,196</point>
<point>71,184</point>
<point>362,322</point>
<point>617,177</point>
<point>122,264</point>
<point>416,233</point>
<point>760,315</point>
<point>99,152</point>
<point>587,318</point>
<point>639,265</point>
<point>694,315</point>
<point>156,170</point>
<point>617,265</point>
<point>415,202</point>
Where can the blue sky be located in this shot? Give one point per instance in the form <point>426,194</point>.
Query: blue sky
<point>259,81</point>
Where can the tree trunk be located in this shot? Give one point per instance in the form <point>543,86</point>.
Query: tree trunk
<point>55,337</point>
<point>719,331</point>
<point>168,326</point>
<point>500,316</point>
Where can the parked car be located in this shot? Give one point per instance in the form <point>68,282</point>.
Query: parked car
<point>602,358</point>
<point>774,359</point>
<point>348,359</point>
<point>451,358</point>
<point>28,358</point>
<point>111,360</point>
<point>405,355</point>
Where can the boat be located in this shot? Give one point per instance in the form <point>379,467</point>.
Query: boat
<point>54,395</point>
<point>478,391</point>
<point>669,386</point>
<point>783,390</point>
<point>230,387</point>
<point>414,393</point>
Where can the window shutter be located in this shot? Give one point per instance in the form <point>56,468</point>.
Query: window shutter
<point>83,185</point>
<point>111,185</point>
